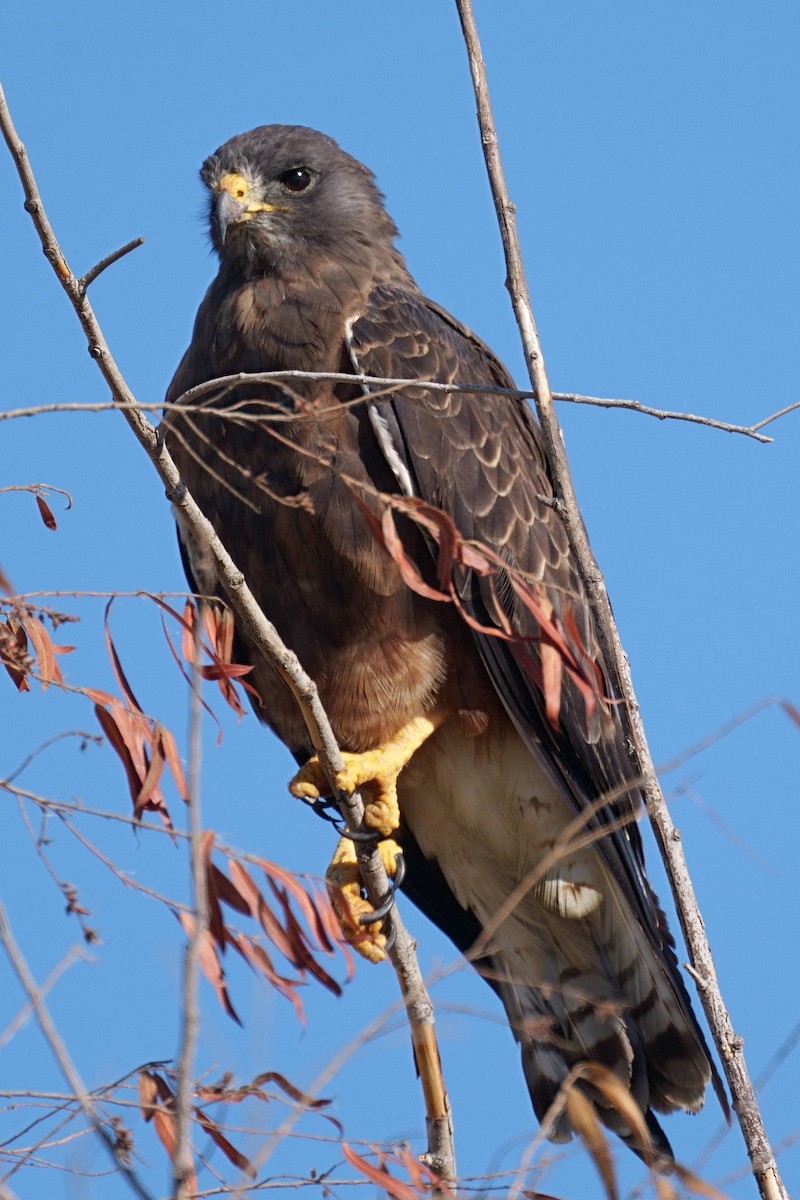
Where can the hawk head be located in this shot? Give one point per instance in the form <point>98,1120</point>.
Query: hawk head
<point>282,195</point>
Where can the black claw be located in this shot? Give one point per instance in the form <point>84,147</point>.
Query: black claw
<point>359,835</point>
<point>391,939</point>
<point>386,907</point>
<point>377,914</point>
<point>399,871</point>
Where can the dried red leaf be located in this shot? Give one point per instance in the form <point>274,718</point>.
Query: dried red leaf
<point>260,910</point>
<point>45,650</point>
<point>218,1138</point>
<point>157,1100</point>
<point>45,512</point>
<point>258,959</point>
<point>379,1175</point>
<point>14,654</point>
<point>304,958</point>
<point>408,568</point>
<point>289,1088</point>
<point>336,933</point>
<point>121,678</point>
<point>149,789</point>
<point>169,749</point>
<point>304,900</point>
<point>210,964</point>
<point>226,891</point>
<point>697,1186</point>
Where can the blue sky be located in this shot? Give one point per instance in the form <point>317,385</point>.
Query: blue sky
<point>651,151</point>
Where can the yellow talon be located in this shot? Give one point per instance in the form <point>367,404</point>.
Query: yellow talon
<point>344,887</point>
<point>375,770</point>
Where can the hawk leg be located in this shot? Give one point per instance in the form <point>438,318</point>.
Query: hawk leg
<point>376,772</point>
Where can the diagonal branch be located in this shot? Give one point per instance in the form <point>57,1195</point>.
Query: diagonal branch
<point>419,1009</point>
<point>728,1043</point>
<point>53,1038</point>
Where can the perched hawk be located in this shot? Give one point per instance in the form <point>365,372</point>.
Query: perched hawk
<point>407,546</point>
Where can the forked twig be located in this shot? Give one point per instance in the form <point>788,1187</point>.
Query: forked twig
<point>728,1044</point>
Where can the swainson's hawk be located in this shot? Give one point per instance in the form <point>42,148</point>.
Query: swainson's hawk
<point>506,738</point>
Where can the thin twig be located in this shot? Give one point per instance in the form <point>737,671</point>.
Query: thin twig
<point>264,636</point>
<point>728,1044</point>
<point>663,414</point>
<point>109,260</point>
<point>62,1055</point>
<point>18,1022</point>
<point>183,1165</point>
<point>186,403</point>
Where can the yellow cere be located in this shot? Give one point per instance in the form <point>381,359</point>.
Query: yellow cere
<point>236,185</point>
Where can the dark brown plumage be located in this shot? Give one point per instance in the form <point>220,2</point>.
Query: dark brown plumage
<point>310,279</point>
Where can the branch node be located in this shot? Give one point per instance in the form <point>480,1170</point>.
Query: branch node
<point>114,256</point>
<point>700,979</point>
<point>176,495</point>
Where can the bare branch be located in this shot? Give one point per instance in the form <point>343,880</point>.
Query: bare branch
<point>663,414</point>
<point>186,403</point>
<point>62,1055</point>
<point>728,1043</point>
<point>263,635</point>
<point>109,260</point>
<point>190,1026</point>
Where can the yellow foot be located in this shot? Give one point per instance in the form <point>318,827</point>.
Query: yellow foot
<point>344,887</point>
<point>375,771</point>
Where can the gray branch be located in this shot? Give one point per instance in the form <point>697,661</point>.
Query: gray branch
<point>728,1043</point>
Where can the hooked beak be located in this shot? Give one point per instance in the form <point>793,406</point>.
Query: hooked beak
<point>227,211</point>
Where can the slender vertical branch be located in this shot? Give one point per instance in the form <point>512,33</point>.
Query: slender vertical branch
<point>190,1024</point>
<point>728,1044</point>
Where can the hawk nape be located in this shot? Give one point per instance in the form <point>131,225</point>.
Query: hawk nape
<point>489,770</point>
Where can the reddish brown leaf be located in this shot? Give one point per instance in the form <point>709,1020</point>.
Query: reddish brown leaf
<point>697,1186</point>
<point>408,569</point>
<point>45,512</point>
<point>14,653</point>
<point>117,743</point>
<point>379,1175</point>
<point>792,713</point>
<point>306,904</point>
<point>210,964</point>
<point>260,910</point>
<point>335,933</point>
<point>169,750</point>
<point>122,681</point>
<point>304,958</point>
<point>46,666</point>
<point>290,1089</point>
<point>149,789</point>
<point>177,658</point>
<point>148,1094</point>
<point>227,892</point>
<point>156,1100</point>
<point>258,959</point>
<point>421,1176</point>
<point>584,1120</point>
<point>218,1138</point>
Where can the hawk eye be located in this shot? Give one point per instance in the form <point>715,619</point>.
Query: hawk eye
<point>296,180</point>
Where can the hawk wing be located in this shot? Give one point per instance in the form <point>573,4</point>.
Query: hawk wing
<point>480,458</point>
